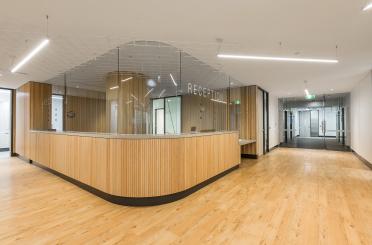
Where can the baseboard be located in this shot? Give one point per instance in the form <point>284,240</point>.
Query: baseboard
<point>367,163</point>
<point>273,148</point>
<point>250,156</point>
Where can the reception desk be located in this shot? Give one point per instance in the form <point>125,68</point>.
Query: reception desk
<point>136,170</point>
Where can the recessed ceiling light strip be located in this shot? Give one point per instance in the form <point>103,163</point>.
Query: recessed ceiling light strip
<point>268,58</point>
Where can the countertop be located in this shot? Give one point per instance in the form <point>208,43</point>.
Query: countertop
<point>132,136</point>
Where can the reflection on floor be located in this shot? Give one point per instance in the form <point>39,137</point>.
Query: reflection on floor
<point>289,196</point>
<point>316,143</point>
<point>4,154</point>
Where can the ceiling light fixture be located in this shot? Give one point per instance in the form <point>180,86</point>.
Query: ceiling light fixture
<point>174,82</point>
<point>249,57</point>
<point>30,55</point>
<point>149,92</point>
<point>115,87</point>
<point>162,92</point>
<point>368,7</point>
<point>127,79</point>
<point>307,92</point>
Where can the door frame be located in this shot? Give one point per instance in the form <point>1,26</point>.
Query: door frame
<point>12,119</point>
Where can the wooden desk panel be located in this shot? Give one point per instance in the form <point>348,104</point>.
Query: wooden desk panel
<point>137,168</point>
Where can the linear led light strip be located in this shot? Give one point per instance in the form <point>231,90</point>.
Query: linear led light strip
<point>219,101</point>
<point>174,82</point>
<point>115,87</point>
<point>127,79</point>
<point>249,57</point>
<point>148,92</point>
<point>30,55</point>
<point>162,92</point>
<point>368,7</point>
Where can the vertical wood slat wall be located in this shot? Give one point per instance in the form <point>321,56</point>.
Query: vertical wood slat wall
<point>33,110</point>
<point>137,167</point>
<point>248,119</point>
<point>132,105</point>
<point>90,114</point>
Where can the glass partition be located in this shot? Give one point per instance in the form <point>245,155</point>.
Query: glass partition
<point>145,87</point>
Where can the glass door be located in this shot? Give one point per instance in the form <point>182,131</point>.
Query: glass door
<point>333,123</point>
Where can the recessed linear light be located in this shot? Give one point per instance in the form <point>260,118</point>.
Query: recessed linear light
<point>249,57</point>
<point>174,82</point>
<point>127,79</point>
<point>115,87</point>
<point>368,7</point>
<point>30,55</point>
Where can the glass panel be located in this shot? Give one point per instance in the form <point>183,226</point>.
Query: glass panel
<point>173,115</point>
<point>117,92</point>
<point>57,112</point>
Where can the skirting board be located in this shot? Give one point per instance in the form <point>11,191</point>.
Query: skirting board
<point>250,156</point>
<point>367,163</point>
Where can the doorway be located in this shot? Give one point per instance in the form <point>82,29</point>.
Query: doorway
<point>316,124</point>
<point>5,122</point>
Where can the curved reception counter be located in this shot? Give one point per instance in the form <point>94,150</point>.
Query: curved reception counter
<point>136,170</point>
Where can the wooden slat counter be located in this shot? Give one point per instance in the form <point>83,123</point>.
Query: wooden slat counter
<point>137,169</point>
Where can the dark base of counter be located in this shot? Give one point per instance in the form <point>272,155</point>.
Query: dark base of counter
<point>249,156</point>
<point>137,201</point>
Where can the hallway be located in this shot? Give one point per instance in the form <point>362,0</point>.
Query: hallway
<point>290,196</point>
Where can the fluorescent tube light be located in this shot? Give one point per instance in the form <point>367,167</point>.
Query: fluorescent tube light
<point>127,79</point>
<point>30,55</point>
<point>249,57</point>
<point>368,7</point>
<point>307,92</point>
<point>115,87</point>
<point>174,82</point>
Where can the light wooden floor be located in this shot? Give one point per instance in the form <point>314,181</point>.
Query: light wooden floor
<point>291,196</point>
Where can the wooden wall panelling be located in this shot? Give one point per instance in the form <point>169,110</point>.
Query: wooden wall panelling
<point>40,106</point>
<point>248,124</point>
<point>132,103</point>
<point>137,167</point>
<point>90,114</point>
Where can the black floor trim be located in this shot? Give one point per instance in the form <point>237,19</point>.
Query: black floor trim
<point>250,156</point>
<point>367,163</point>
<point>137,201</point>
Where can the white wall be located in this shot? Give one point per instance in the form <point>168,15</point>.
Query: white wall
<point>361,118</point>
<point>273,121</point>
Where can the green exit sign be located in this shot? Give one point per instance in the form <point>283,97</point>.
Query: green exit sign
<point>310,96</point>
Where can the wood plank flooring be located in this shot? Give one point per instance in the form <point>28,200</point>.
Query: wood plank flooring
<point>290,196</point>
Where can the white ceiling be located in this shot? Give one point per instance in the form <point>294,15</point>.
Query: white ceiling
<point>82,30</point>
